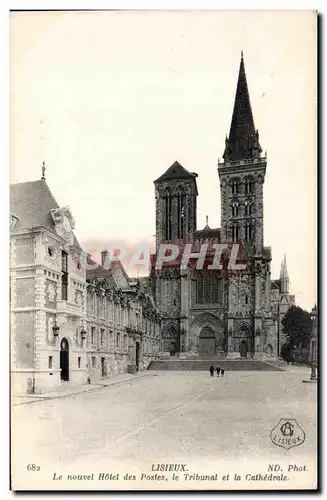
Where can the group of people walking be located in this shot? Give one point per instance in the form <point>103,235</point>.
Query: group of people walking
<point>218,371</point>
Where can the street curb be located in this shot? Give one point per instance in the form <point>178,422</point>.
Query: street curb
<point>96,388</point>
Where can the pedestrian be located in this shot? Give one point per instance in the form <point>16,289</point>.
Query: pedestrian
<point>211,370</point>
<point>218,371</point>
<point>222,372</point>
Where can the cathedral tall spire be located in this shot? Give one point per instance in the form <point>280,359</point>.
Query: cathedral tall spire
<point>243,140</point>
<point>284,278</point>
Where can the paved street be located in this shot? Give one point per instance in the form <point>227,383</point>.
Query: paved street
<point>168,417</point>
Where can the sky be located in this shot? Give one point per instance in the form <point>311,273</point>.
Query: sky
<point>109,100</point>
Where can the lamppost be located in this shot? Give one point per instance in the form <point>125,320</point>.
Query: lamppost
<point>314,344</point>
<point>55,330</point>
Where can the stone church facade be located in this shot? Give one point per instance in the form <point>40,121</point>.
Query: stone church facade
<point>227,311</point>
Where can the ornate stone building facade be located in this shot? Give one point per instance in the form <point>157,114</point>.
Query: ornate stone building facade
<point>70,321</point>
<point>227,311</point>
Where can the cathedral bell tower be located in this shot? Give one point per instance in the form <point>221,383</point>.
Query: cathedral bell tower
<point>176,193</point>
<point>242,175</point>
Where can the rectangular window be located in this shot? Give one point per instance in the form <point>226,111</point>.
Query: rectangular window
<point>102,337</point>
<point>78,362</point>
<point>93,361</point>
<point>117,340</point>
<point>125,341</point>
<point>92,335</point>
<point>64,275</point>
<point>50,362</point>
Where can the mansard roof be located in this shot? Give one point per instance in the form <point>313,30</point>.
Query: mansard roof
<point>176,171</point>
<point>32,202</point>
<point>243,140</point>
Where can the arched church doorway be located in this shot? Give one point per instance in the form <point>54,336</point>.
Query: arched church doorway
<point>269,350</point>
<point>207,342</point>
<point>171,341</point>
<point>243,349</point>
<point>64,360</point>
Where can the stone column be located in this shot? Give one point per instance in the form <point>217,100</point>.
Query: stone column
<point>257,291</point>
<point>184,310</point>
<point>258,342</point>
<point>230,324</point>
<point>141,353</point>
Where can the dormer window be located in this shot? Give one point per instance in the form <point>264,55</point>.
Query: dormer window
<point>13,221</point>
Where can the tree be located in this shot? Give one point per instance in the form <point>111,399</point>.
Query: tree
<point>297,327</point>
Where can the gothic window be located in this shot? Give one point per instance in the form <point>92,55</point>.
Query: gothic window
<point>235,208</point>
<point>248,232</point>
<point>209,288</point>
<point>248,207</point>
<point>235,234</point>
<point>235,186</point>
<point>168,205</point>
<point>199,286</point>
<point>181,214</point>
<point>249,186</point>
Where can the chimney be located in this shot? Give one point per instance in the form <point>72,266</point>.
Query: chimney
<point>104,254</point>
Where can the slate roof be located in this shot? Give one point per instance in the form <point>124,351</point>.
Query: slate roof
<point>176,171</point>
<point>275,284</point>
<point>32,202</point>
<point>243,138</point>
<point>102,273</point>
<point>207,232</point>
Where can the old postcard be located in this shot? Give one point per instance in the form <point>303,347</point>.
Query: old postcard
<point>164,316</point>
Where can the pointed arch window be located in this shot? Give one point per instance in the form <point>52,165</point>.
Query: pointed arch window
<point>248,208</point>
<point>235,206</point>
<point>248,232</point>
<point>181,213</point>
<point>249,186</point>
<point>235,186</point>
<point>235,233</point>
<point>208,288</point>
<point>168,206</point>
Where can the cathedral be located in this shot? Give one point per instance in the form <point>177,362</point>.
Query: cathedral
<point>73,320</point>
<point>220,312</point>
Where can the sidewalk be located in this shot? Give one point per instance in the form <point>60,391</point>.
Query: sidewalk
<point>66,389</point>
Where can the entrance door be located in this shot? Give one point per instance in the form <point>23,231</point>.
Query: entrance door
<point>64,360</point>
<point>207,342</point>
<point>244,349</point>
<point>172,348</point>
<point>103,367</point>
<point>207,346</point>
